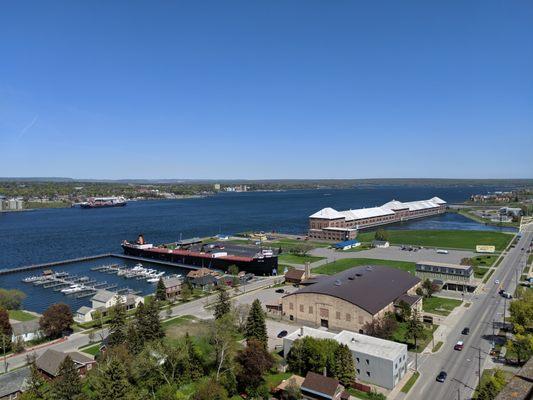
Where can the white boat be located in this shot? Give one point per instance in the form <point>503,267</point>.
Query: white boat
<point>152,280</point>
<point>30,279</point>
<point>73,289</point>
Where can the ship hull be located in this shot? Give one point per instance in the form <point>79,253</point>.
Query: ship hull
<point>102,205</point>
<point>257,266</point>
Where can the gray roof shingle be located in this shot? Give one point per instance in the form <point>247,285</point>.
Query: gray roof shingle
<point>15,381</point>
<point>51,359</point>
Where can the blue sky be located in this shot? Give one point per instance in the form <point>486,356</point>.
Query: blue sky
<point>266,89</point>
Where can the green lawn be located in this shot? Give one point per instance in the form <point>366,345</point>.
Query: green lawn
<point>177,321</point>
<point>296,259</point>
<point>346,263</point>
<point>439,305</point>
<point>273,380</point>
<point>20,315</point>
<point>400,335</point>
<point>92,349</point>
<point>483,261</point>
<point>409,384</point>
<point>480,272</point>
<point>446,239</point>
<point>437,347</point>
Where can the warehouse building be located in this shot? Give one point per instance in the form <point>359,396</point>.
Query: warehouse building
<point>330,224</point>
<point>352,298</point>
<point>451,276</point>
<point>377,361</point>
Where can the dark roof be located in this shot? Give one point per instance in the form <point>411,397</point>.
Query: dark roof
<point>171,282</point>
<point>409,299</point>
<point>51,359</point>
<point>370,287</point>
<point>295,274</point>
<point>15,381</point>
<point>520,387</point>
<point>320,384</point>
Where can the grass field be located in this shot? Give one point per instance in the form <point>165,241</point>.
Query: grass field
<point>177,321</point>
<point>346,263</point>
<point>480,272</point>
<point>439,305</point>
<point>400,335</point>
<point>483,261</point>
<point>273,380</point>
<point>93,349</point>
<point>296,259</point>
<point>20,315</point>
<point>448,239</point>
<point>409,384</point>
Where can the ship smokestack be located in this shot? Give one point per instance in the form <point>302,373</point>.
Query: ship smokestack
<point>140,239</point>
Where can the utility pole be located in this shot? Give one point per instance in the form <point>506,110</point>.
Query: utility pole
<point>4,347</point>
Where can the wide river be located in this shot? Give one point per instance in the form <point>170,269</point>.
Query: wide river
<point>40,236</point>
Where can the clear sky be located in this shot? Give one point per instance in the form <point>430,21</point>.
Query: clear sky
<point>266,89</point>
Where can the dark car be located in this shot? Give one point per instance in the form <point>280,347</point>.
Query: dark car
<point>501,292</point>
<point>442,376</point>
<point>282,334</point>
<point>280,290</point>
<point>465,331</point>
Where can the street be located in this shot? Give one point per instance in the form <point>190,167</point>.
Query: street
<point>462,366</point>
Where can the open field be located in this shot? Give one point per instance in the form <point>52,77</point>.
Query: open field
<point>480,272</point>
<point>346,263</point>
<point>297,259</point>
<point>92,349</point>
<point>439,305</point>
<point>483,261</point>
<point>20,315</point>
<point>448,239</point>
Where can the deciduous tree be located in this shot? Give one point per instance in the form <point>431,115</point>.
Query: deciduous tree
<point>254,361</point>
<point>56,319</point>
<point>11,299</point>
<point>5,326</point>
<point>381,235</point>
<point>344,369</point>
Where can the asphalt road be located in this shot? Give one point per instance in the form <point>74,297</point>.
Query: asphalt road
<point>462,366</point>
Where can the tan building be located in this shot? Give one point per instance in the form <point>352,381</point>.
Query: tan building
<point>451,276</point>
<point>352,298</point>
<point>330,224</point>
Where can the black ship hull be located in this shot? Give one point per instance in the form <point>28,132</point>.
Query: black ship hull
<point>102,205</point>
<point>257,266</point>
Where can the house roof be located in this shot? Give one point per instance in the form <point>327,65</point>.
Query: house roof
<point>172,282</point>
<point>21,328</point>
<point>197,273</point>
<point>409,299</point>
<point>346,243</point>
<point>51,359</point>
<point>320,384</point>
<point>295,274</point>
<point>103,296</point>
<point>15,381</point>
<point>327,213</point>
<point>370,287</point>
<point>84,310</point>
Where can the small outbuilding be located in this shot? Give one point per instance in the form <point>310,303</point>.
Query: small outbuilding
<point>346,245</point>
<point>380,244</point>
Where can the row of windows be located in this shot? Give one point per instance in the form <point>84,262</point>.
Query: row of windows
<point>347,316</point>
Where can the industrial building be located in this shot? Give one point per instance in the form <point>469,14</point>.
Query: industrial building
<point>350,299</point>
<point>450,276</point>
<point>330,224</point>
<point>377,361</point>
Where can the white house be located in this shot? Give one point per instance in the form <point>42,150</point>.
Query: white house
<point>107,299</point>
<point>381,244</point>
<point>26,330</point>
<point>377,361</point>
<point>84,314</point>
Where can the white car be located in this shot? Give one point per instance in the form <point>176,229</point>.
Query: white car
<point>496,282</point>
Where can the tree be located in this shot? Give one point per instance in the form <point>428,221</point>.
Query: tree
<point>233,269</point>
<point>135,343</point>
<point>254,362</point>
<point>381,327</point>
<point>195,368</point>
<point>223,305</point>
<point>344,368</point>
<point>111,381</point>
<point>161,291</point>
<point>186,292</point>
<point>117,324</point>
<point>5,326</point>
<point>310,354</point>
<point>67,386</point>
<point>293,391</point>
<point>149,322</point>
<point>429,287</point>
<point>415,327</point>
<point>11,299</point>
<point>223,338</point>
<point>210,389</point>
<point>381,235</point>
<point>256,325</point>
<point>522,346</point>
<point>18,345</point>
<point>37,387</point>
<point>521,310</point>
<point>405,310</point>
<point>56,319</point>
<point>241,315</point>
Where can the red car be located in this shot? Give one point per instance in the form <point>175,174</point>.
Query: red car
<point>459,345</point>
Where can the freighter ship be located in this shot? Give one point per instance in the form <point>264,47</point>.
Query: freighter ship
<point>101,202</point>
<point>218,255</point>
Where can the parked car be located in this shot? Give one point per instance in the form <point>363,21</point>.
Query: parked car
<point>280,290</point>
<point>496,282</point>
<point>507,295</point>
<point>441,377</point>
<point>465,331</point>
<point>459,345</point>
<point>282,334</point>
<point>501,292</point>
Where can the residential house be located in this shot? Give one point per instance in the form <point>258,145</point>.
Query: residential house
<point>50,361</point>
<point>320,387</point>
<point>172,287</point>
<point>14,383</point>
<point>26,330</point>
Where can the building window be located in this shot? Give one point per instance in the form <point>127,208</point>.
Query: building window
<point>291,306</point>
<point>367,362</point>
<point>357,359</point>
<point>361,320</point>
<point>338,315</point>
<point>368,373</point>
<point>348,317</point>
<point>358,371</point>
<point>301,308</point>
<point>310,309</point>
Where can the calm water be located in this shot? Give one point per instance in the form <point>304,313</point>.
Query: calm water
<point>56,234</point>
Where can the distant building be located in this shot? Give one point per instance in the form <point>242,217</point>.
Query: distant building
<point>350,299</point>
<point>377,361</point>
<point>380,244</point>
<point>511,211</point>
<point>330,224</point>
<point>202,278</point>
<point>103,300</point>
<point>453,276</point>
<point>294,276</point>
<point>216,186</point>
<point>320,387</point>
<point>49,362</point>
<point>347,244</point>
